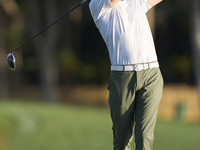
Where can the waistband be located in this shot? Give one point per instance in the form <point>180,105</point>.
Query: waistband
<point>135,67</point>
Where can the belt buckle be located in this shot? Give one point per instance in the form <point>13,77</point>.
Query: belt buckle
<point>139,67</point>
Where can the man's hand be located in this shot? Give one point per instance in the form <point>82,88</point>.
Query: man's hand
<point>114,2</point>
<point>151,2</point>
<point>154,2</point>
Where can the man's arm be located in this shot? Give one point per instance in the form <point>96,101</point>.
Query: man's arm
<point>154,2</point>
<point>114,2</point>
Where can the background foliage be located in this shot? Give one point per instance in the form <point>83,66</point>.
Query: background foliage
<point>72,52</point>
<point>80,53</point>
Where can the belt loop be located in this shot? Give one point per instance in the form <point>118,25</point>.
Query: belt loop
<point>143,66</point>
<point>148,65</point>
<point>124,68</point>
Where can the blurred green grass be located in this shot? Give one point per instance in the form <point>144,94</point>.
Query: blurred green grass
<point>42,126</point>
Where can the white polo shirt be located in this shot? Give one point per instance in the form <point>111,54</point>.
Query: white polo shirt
<point>125,30</point>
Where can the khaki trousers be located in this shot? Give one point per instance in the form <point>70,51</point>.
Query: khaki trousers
<point>134,98</point>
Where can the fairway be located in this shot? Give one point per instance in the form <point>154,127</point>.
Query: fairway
<point>42,126</point>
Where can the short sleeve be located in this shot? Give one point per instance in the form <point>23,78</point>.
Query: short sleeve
<point>145,5</point>
<point>98,7</point>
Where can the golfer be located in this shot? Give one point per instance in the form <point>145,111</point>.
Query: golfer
<point>136,83</point>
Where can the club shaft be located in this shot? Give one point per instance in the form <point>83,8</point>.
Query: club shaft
<point>49,25</point>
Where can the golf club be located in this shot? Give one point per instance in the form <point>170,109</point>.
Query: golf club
<point>10,59</point>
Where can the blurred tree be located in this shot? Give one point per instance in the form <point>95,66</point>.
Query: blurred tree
<point>42,13</point>
<point>173,41</point>
<point>10,29</point>
<point>73,51</point>
<point>3,69</point>
<point>195,36</point>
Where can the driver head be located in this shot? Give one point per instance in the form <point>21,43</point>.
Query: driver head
<point>10,61</point>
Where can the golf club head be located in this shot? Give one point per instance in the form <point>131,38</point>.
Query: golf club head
<point>10,61</point>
